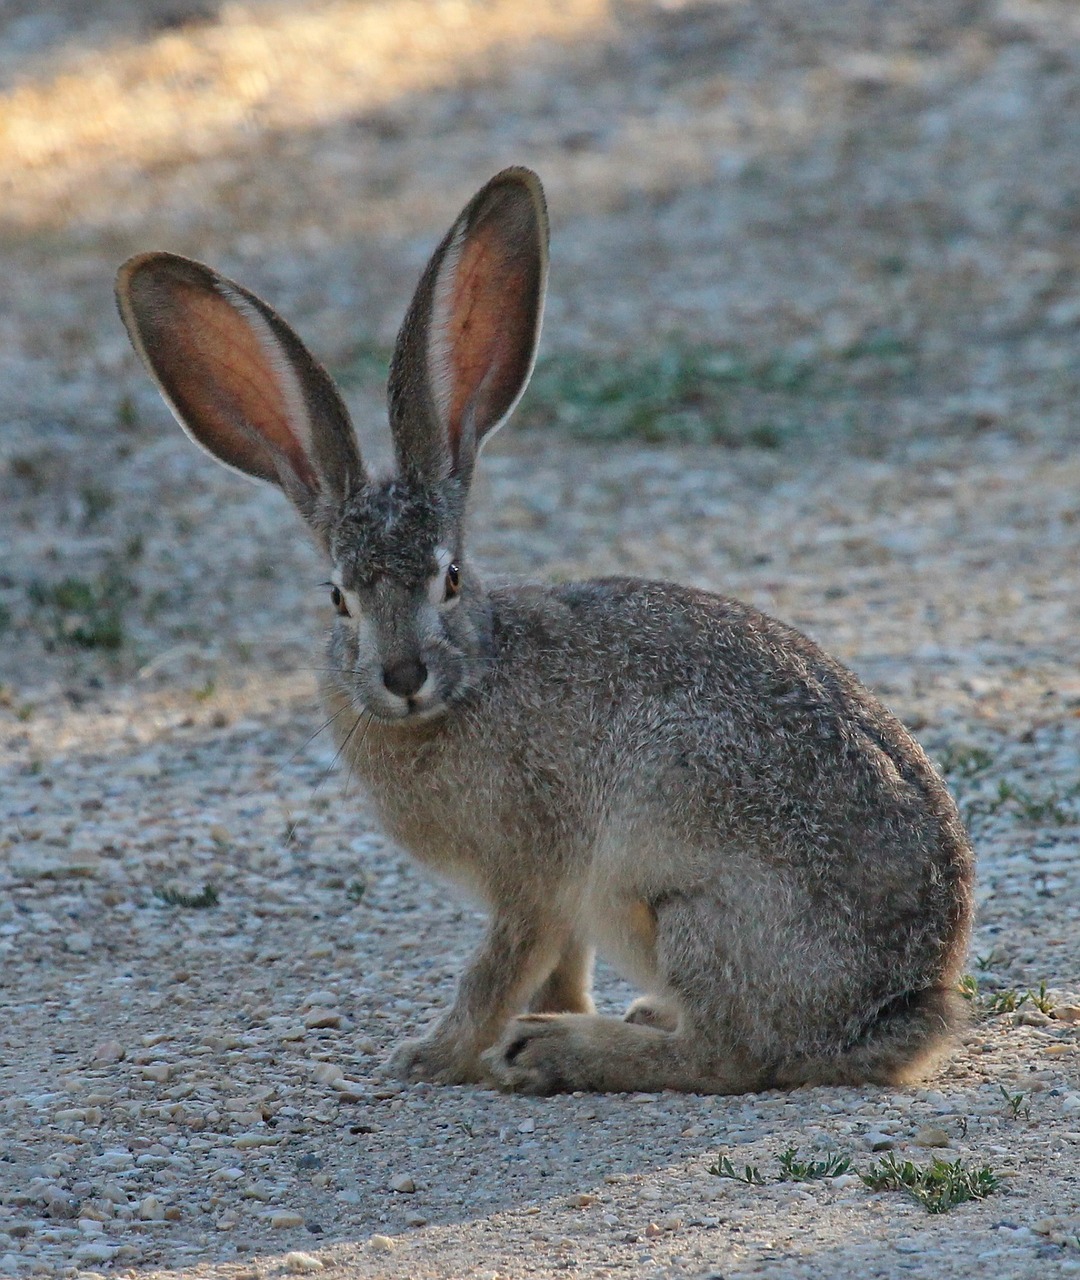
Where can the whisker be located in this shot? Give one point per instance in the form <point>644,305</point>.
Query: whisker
<point>302,747</point>
<point>345,742</point>
<point>348,776</point>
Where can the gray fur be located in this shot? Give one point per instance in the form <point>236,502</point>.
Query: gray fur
<point>667,775</point>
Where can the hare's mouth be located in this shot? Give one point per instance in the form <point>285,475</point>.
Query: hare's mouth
<point>394,709</point>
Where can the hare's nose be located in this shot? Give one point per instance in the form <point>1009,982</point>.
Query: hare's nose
<point>404,678</point>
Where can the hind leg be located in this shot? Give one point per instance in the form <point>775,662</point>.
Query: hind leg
<point>560,1053</point>
<point>567,988</point>
<point>687,1040</point>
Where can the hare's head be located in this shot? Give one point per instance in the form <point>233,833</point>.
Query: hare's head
<point>412,621</point>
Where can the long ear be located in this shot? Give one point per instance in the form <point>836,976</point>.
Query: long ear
<point>468,342</point>
<point>238,380</point>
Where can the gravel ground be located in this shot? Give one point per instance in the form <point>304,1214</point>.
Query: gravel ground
<point>882,196</point>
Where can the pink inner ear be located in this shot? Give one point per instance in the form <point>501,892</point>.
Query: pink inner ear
<point>218,370</point>
<point>490,330</point>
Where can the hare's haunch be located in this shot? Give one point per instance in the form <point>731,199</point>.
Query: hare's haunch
<point>669,776</point>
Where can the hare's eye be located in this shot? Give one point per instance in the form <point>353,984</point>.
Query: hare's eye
<point>338,601</point>
<point>452,582</point>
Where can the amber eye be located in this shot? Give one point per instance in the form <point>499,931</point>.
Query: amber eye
<point>338,601</point>
<point>452,582</point>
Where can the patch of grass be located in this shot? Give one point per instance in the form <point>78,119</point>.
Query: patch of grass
<point>127,415</point>
<point>1016,1103</point>
<point>1041,1000</point>
<point>97,500</point>
<point>682,393</point>
<point>87,613</point>
<point>750,1174</point>
<point>968,987</point>
<point>938,1186</point>
<point>1054,806</point>
<point>206,691</point>
<point>960,761</point>
<point>366,364</point>
<point>999,1002</point>
<point>793,1169</point>
<point>206,897</point>
<point>1008,1000</point>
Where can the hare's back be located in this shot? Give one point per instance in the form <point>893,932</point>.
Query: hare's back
<point>724,704</point>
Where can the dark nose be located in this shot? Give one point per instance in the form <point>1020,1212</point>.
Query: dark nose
<point>404,678</point>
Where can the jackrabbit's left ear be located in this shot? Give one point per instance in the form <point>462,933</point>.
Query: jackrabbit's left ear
<point>238,379</point>
<point>468,343</point>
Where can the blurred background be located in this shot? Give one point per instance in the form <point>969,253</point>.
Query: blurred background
<point>787,238</point>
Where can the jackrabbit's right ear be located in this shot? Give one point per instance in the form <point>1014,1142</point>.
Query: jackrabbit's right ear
<point>468,342</point>
<point>237,378</point>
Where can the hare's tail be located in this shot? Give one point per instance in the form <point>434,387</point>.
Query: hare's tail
<point>903,1043</point>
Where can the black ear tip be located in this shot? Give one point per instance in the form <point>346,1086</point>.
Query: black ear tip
<point>515,196</point>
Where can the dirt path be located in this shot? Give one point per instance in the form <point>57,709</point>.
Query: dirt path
<point>841,237</point>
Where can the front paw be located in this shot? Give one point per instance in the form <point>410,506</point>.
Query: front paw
<point>435,1061</point>
<point>533,1056</point>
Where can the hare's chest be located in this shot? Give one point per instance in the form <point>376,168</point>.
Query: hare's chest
<point>441,814</point>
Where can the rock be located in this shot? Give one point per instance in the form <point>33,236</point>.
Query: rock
<point>414,1219</point>
<point>315,999</point>
<point>284,1219</point>
<point>403,1184</point>
<point>322,1018</point>
<point>151,1209</point>
<point>929,1136</point>
<point>1066,1013</point>
<point>302,1262</point>
<point>327,1072</point>
<point>382,1244</point>
<point>108,1051</point>
<point>79,943</point>
<point>246,1141</point>
<point>158,1072</point>
<point>879,1141</point>
<point>1031,1018</point>
<point>583,1200</point>
<point>95,1251</point>
<point>527,1126</point>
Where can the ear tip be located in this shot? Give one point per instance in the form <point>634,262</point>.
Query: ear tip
<point>515,195</point>
<point>158,265</point>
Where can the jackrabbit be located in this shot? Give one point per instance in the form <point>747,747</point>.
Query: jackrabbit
<point>668,775</point>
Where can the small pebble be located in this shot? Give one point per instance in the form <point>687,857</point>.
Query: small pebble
<point>108,1051</point>
<point>302,1262</point>
<point>880,1141</point>
<point>931,1137</point>
<point>151,1209</point>
<point>381,1244</point>
<point>321,1018</point>
<point>282,1219</point>
<point>403,1184</point>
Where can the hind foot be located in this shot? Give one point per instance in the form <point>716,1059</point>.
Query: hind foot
<point>652,1011</point>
